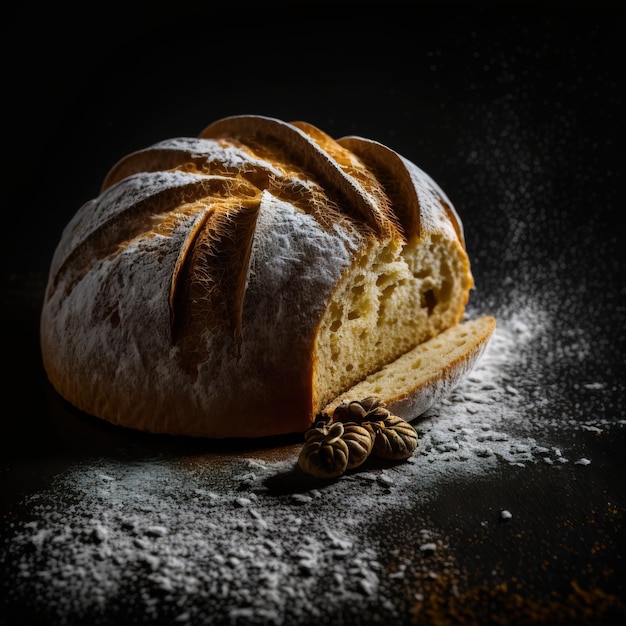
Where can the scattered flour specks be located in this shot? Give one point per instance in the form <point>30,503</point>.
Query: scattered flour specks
<point>211,540</point>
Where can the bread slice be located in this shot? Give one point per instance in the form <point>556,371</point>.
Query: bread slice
<point>421,377</point>
<point>235,284</point>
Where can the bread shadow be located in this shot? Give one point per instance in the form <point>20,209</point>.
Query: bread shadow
<point>296,481</point>
<point>72,431</point>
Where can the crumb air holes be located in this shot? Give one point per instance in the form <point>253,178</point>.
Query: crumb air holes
<point>429,301</point>
<point>386,292</point>
<point>383,279</point>
<point>461,341</point>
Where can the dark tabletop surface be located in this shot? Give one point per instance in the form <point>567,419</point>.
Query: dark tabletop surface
<point>519,116</point>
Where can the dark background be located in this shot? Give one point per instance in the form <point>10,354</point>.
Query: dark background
<point>86,85</point>
<point>517,112</point>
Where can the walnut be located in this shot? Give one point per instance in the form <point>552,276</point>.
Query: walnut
<point>394,439</point>
<point>356,430</point>
<point>324,454</point>
<point>371,402</point>
<point>359,411</point>
<point>360,441</point>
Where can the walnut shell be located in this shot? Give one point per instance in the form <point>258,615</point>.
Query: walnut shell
<point>360,411</point>
<point>324,454</point>
<point>349,412</point>
<point>371,402</point>
<point>360,441</point>
<point>395,438</point>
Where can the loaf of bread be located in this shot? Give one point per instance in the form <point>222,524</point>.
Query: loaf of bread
<point>239,283</point>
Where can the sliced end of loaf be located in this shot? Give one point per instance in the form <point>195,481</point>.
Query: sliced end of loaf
<point>424,375</point>
<point>395,296</point>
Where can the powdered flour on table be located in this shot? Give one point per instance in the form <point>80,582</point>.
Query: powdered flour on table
<point>211,539</point>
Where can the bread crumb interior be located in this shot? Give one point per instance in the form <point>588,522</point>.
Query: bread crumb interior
<point>394,297</point>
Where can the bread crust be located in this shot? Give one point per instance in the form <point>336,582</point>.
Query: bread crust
<point>187,297</point>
